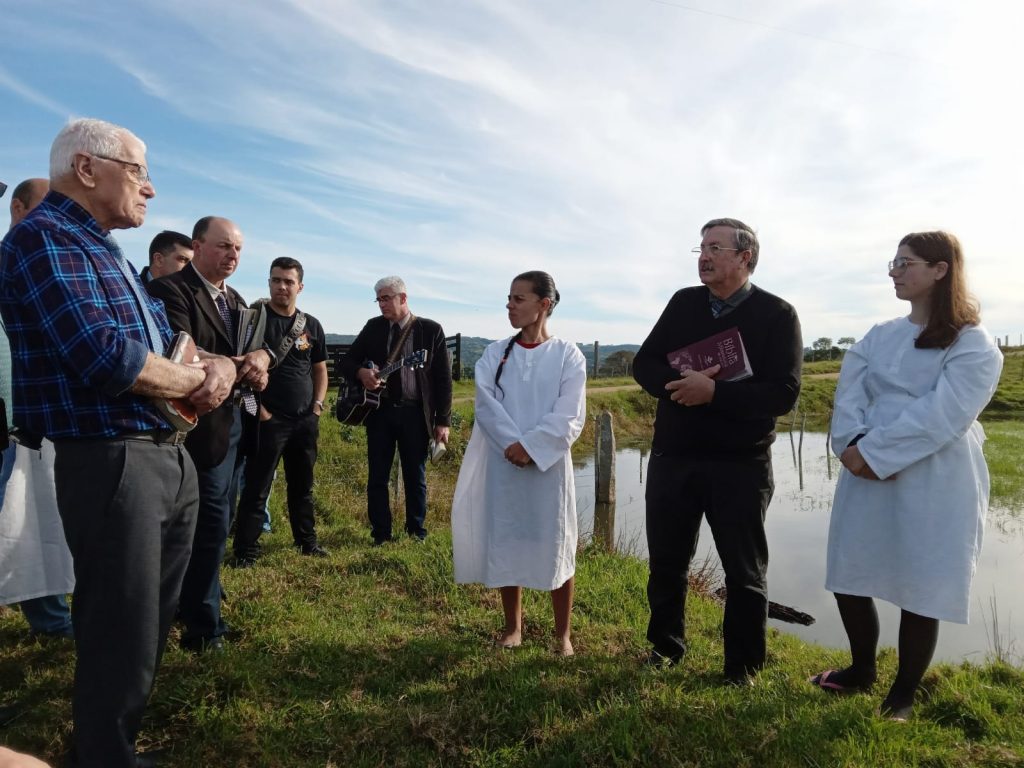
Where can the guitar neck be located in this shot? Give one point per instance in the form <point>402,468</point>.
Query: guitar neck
<point>389,369</point>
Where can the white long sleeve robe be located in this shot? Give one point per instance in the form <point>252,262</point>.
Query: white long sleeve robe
<point>517,526</point>
<point>34,556</point>
<point>913,537</point>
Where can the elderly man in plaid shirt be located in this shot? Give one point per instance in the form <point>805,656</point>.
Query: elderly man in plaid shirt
<point>87,349</point>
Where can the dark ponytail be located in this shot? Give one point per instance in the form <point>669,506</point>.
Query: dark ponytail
<point>504,359</point>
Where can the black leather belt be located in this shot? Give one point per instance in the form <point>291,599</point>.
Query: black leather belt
<point>158,436</point>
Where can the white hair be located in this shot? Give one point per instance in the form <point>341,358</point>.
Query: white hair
<point>394,282</point>
<point>96,137</point>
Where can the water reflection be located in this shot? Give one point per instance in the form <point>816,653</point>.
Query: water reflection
<point>797,530</point>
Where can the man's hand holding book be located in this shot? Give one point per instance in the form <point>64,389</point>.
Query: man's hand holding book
<point>694,387</point>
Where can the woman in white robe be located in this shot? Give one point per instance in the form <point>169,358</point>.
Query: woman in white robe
<point>909,510</point>
<point>514,511</point>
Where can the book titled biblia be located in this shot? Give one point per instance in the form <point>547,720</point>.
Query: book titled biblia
<point>724,349</point>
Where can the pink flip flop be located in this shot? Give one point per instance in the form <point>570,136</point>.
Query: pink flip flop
<point>823,681</point>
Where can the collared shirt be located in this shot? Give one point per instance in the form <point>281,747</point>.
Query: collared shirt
<point>212,289</point>
<point>722,307</point>
<point>410,387</point>
<point>77,332</point>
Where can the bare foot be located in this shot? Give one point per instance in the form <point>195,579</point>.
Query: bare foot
<point>563,647</point>
<point>509,639</point>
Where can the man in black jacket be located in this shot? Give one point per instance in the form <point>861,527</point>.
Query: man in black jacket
<point>199,301</point>
<point>711,453</point>
<point>416,404</point>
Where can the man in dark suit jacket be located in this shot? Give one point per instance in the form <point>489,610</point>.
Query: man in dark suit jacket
<point>416,405</point>
<point>198,301</point>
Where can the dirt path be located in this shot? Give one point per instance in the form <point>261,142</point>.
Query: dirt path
<point>626,387</point>
<point>620,388</point>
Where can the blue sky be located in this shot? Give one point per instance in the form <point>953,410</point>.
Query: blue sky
<point>458,142</point>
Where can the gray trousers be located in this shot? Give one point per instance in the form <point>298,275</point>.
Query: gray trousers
<point>129,510</point>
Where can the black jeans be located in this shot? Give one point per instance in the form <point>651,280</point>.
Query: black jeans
<point>129,512</point>
<point>293,439</point>
<point>734,496</point>
<point>387,427</point>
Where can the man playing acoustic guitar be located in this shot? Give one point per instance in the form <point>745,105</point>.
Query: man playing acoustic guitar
<point>416,404</point>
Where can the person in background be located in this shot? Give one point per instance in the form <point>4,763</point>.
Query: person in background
<point>415,405</point>
<point>169,252</point>
<point>199,301</point>
<point>711,454</point>
<point>38,563</point>
<point>514,510</point>
<point>909,509</point>
<point>289,426</point>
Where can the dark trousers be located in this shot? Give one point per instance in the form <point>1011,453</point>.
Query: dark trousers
<point>404,427</point>
<point>201,590</point>
<point>734,496</point>
<point>295,441</point>
<point>129,511</point>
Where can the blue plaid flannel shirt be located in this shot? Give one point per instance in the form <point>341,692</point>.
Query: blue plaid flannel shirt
<point>78,336</point>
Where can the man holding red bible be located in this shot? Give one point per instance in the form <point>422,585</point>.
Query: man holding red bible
<point>711,453</point>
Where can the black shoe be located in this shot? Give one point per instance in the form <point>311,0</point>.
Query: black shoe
<point>661,661</point>
<point>377,542</point>
<point>150,759</point>
<point>201,645</point>
<point>243,562</point>
<point>740,680</point>
<point>740,676</point>
<point>50,637</point>
<point>314,551</point>
<point>9,713</point>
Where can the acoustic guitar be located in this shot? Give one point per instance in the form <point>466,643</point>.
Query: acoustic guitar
<point>356,402</point>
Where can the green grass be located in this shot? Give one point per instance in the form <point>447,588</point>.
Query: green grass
<point>822,366</point>
<point>375,657</point>
<point>1004,451</point>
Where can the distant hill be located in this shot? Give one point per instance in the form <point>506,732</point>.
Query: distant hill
<point>473,347</point>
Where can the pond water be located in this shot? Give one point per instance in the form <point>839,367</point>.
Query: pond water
<point>797,530</point>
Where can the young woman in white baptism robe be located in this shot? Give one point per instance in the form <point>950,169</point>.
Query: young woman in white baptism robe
<point>514,511</point>
<point>909,509</point>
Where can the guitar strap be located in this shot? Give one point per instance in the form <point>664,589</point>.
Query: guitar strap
<point>289,339</point>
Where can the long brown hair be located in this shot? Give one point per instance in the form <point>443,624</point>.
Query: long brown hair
<point>952,307</point>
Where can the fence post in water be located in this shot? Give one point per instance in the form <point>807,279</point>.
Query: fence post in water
<point>605,474</point>
<point>604,480</point>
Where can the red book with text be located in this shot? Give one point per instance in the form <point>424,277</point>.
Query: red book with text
<point>724,349</point>
<point>178,411</point>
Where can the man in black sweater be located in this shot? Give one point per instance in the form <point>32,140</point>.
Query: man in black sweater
<point>711,453</point>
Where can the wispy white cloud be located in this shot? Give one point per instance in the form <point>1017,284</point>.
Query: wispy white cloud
<point>31,95</point>
<point>460,143</point>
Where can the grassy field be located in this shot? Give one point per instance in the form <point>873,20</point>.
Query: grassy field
<point>373,657</point>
